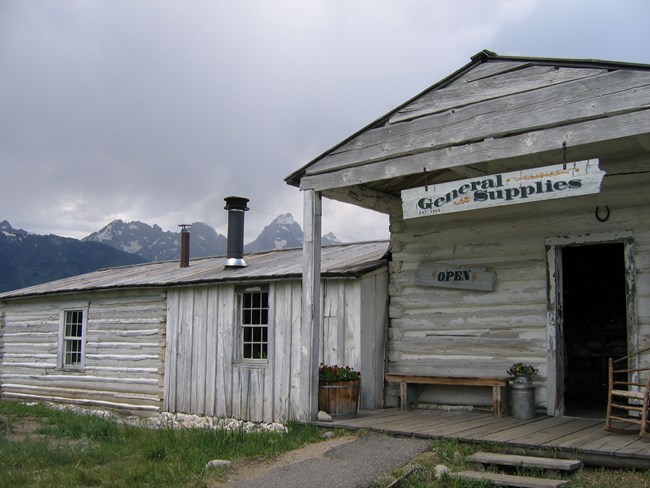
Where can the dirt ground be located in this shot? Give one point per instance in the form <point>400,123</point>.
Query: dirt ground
<point>23,429</point>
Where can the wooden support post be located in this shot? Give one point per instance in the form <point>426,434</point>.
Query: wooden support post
<point>311,315</point>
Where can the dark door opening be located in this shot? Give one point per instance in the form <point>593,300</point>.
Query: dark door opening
<point>595,324</point>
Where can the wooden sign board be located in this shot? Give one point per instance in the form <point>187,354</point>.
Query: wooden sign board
<point>531,185</point>
<point>451,276</point>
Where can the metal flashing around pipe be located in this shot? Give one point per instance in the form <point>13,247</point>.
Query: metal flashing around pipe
<point>236,207</point>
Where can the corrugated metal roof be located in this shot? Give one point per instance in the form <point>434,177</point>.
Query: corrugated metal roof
<point>337,261</point>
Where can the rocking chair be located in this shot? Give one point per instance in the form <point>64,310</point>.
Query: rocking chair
<point>627,397</point>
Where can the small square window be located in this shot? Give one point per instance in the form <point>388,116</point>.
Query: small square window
<point>254,323</point>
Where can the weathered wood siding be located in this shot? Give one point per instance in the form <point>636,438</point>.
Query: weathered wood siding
<point>354,330</point>
<point>203,375</point>
<point>124,350</point>
<point>461,332</point>
<point>496,111</point>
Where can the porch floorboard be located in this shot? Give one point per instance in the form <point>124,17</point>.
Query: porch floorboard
<point>566,436</point>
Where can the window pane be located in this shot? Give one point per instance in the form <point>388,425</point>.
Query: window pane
<point>72,352</point>
<point>73,323</point>
<point>257,302</point>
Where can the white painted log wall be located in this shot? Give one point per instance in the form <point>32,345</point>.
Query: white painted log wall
<point>460,332</point>
<point>204,377</point>
<point>123,350</point>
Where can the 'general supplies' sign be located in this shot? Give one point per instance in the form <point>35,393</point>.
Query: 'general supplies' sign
<point>531,185</point>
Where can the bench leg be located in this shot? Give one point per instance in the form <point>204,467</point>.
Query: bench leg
<point>496,401</point>
<point>404,395</point>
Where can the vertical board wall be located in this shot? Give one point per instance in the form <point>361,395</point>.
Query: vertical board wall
<point>204,376</point>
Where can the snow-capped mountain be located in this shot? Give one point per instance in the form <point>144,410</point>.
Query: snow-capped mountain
<point>329,239</point>
<point>282,233</point>
<point>28,259</point>
<point>8,232</point>
<point>135,237</point>
<point>154,244</point>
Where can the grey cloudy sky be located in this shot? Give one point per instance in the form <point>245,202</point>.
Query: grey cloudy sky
<point>155,110</point>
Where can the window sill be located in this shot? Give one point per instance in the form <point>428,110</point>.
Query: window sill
<point>253,364</point>
<point>70,369</point>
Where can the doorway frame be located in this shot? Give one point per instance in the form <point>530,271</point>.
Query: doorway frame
<point>555,319</point>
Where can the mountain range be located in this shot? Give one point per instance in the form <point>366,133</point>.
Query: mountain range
<point>28,259</point>
<point>154,244</point>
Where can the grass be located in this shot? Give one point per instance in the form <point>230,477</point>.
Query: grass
<point>44,447</point>
<point>41,447</point>
<point>451,453</point>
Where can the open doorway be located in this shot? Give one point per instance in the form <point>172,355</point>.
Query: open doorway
<point>595,324</point>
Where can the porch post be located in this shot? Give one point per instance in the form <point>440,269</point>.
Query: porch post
<point>311,314</point>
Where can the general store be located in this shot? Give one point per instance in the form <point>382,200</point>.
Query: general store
<point>517,192</point>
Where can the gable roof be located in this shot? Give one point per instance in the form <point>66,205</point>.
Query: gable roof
<point>338,261</point>
<point>460,126</point>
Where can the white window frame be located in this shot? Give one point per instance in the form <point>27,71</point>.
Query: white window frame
<point>243,323</point>
<point>64,339</point>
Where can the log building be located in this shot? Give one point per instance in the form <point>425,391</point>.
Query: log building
<point>517,190</point>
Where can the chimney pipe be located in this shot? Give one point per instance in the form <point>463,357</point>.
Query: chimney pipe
<point>236,207</point>
<point>185,245</point>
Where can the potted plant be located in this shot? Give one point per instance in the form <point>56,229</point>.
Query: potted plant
<point>338,390</point>
<point>522,372</point>
<point>522,390</point>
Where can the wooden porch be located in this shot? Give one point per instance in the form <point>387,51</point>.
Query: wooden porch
<point>582,438</point>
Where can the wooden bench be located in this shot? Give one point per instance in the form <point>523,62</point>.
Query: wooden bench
<point>496,383</point>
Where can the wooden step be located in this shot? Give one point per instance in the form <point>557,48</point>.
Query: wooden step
<point>524,461</point>
<point>510,480</point>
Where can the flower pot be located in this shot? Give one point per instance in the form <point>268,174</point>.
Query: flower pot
<point>339,398</point>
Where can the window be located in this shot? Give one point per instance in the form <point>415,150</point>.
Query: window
<point>72,347</point>
<point>254,324</point>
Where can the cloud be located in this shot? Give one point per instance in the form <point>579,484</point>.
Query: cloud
<point>157,110</point>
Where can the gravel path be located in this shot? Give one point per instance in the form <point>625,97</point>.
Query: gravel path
<point>340,463</point>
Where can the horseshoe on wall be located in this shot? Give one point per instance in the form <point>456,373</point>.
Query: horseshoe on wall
<point>602,219</point>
